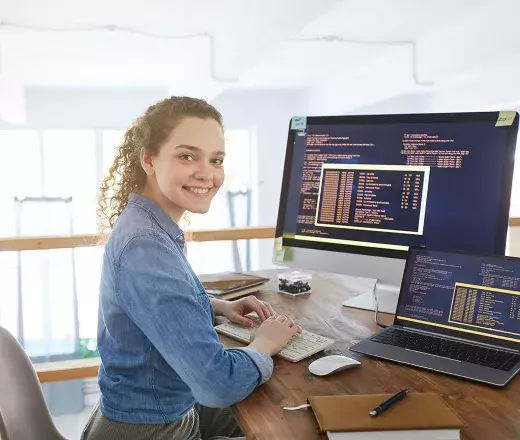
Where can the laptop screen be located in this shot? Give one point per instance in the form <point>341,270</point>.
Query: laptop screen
<point>477,296</point>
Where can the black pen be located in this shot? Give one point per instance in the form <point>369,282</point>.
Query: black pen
<point>388,403</point>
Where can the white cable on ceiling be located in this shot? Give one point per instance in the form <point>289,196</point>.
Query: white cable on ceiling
<point>129,30</point>
<point>340,39</point>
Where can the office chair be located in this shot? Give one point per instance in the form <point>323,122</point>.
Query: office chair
<point>23,412</point>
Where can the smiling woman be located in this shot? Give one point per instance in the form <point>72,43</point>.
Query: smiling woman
<point>180,143</point>
<point>155,318</point>
<point>188,169</point>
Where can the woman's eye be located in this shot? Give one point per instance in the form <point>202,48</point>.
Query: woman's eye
<point>218,161</point>
<point>186,157</point>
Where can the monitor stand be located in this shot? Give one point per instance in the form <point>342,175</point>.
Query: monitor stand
<point>387,296</point>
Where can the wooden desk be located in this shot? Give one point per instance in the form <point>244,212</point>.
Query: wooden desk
<point>489,413</point>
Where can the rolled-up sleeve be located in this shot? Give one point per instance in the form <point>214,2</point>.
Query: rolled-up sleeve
<point>263,362</point>
<point>154,291</point>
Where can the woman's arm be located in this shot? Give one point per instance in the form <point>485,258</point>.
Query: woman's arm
<point>218,306</point>
<point>153,290</point>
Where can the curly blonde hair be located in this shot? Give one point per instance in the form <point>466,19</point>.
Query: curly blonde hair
<point>150,131</point>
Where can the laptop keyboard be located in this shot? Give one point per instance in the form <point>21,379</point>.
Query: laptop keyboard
<point>487,357</point>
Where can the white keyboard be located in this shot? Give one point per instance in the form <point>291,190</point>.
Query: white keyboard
<point>299,347</point>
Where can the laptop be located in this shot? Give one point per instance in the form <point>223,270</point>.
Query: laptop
<point>458,313</point>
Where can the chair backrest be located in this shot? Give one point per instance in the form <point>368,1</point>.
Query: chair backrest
<point>23,411</point>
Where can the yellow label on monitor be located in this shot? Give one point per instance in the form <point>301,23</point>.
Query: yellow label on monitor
<point>505,118</point>
<point>278,243</point>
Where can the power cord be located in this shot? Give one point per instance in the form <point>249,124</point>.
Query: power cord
<point>377,308</point>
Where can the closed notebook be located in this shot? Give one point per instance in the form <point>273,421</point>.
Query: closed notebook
<point>409,434</point>
<point>231,284</point>
<point>417,411</point>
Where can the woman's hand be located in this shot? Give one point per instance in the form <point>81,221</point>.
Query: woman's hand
<point>274,334</point>
<point>235,310</point>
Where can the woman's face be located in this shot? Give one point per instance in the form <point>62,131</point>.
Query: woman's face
<point>189,168</point>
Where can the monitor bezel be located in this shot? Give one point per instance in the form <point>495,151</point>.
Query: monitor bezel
<point>477,117</point>
<point>448,332</point>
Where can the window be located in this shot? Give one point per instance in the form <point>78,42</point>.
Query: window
<point>58,164</point>
<point>71,163</point>
<point>231,207</point>
<point>111,140</point>
<point>69,170</point>
<point>21,174</point>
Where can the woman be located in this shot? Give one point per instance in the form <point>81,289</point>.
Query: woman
<point>164,373</point>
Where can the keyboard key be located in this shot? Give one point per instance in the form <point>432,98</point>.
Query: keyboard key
<point>299,347</point>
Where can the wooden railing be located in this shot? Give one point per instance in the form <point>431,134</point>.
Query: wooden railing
<point>67,370</point>
<point>514,222</point>
<point>83,368</point>
<point>74,241</point>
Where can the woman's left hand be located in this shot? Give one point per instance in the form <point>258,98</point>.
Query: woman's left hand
<point>235,310</point>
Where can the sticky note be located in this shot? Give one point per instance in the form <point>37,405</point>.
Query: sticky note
<point>278,243</point>
<point>284,254</point>
<point>505,118</point>
<point>299,123</point>
<point>278,255</point>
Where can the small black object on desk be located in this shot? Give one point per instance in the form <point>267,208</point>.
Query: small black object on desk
<point>294,283</point>
<point>388,403</point>
<point>297,287</point>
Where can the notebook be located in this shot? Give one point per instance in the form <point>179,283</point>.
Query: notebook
<point>411,434</point>
<point>418,415</point>
<point>229,285</point>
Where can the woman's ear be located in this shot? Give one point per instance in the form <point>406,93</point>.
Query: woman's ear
<point>146,162</point>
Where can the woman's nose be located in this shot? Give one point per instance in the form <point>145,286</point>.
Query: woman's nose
<point>204,172</point>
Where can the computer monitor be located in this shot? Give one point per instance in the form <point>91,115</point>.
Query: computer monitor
<point>357,191</point>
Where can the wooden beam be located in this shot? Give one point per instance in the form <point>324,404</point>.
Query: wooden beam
<point>74,241</point>
<point>514,222</point>
<point>231,234</point>
<point>51,242</point>
<point>67,370</point>
<point>84,368</point>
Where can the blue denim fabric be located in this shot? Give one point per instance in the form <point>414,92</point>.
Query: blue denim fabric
<point>159,350</point>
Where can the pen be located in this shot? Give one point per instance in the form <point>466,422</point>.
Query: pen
<point>388,403</point>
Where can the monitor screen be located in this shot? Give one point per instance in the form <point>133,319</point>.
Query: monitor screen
<point>475,295</point>
<point>376,185</point>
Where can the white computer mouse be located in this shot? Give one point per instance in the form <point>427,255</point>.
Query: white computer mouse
<point>332,364</point>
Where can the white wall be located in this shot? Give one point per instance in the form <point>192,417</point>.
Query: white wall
<point>68,108</point>
<point>409,103</point>
<point>267,113</point>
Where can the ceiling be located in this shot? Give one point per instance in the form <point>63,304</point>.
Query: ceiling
<point>211,46</point>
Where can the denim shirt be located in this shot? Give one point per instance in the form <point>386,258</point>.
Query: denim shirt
<point>159,351</point>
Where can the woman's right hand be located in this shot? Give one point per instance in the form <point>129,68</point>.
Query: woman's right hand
<point>274,334</point>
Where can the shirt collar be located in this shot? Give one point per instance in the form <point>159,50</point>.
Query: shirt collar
<point>163,219</point>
